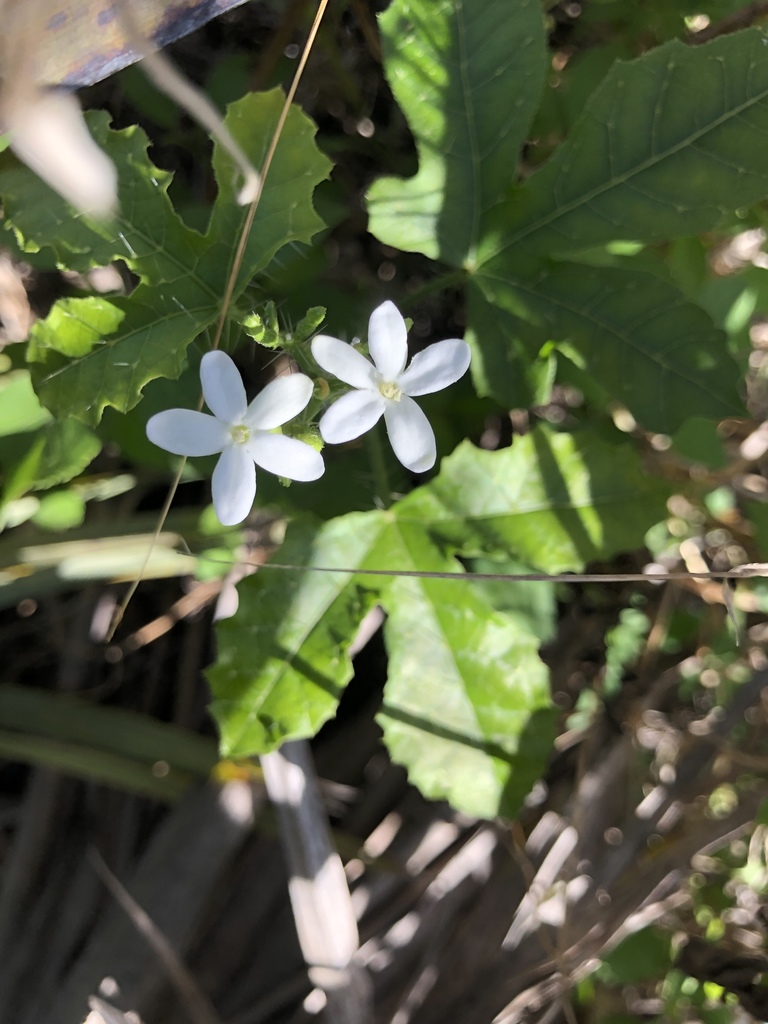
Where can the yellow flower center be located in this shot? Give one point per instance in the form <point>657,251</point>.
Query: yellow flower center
<point>390,390</point>
<point>239,434</point>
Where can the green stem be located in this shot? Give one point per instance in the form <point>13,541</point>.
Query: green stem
<point>383,490</point>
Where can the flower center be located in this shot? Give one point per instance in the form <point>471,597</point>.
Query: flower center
<point>390,390</point>
<point>239,434</point>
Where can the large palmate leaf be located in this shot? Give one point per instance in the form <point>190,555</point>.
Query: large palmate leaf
<point>556,501</point>
<point>101,353</point>
<point>465,705</point>
<point>468,76</point>
<point>666,146</point>
<point>636,336</point>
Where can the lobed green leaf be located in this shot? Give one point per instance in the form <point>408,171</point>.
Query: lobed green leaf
<point>667,146</point>
<point>93,353</point>
<point>555,501</point>
<point>282,663</point>
<point>146,233</point>
<point>633,333</point>
<point>468,76</point>
<point>466,705</point>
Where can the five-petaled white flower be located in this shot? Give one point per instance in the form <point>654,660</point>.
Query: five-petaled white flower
<point>387,388</point>
<point>241,432</point>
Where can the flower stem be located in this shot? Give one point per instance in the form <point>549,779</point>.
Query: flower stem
<point>383,490</point>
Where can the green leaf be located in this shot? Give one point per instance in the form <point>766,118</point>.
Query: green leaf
<point>633,333</point>
<point>67,448</point>
<point>20,411</point>
<point>468,76</point>
<point>508,363</point>
<point>466,705</point>
<point>285,213</point>
<point>94,353</point>
<point>534,607</point>
<point>146,234</point>
<point>282,661</point>
<point>555,501</point>
<point>645,954</point>
<point>109,350</point>
<point>60,510</point>
<point>667,145</point>
<point>37,451</point>
<point>481,704</point>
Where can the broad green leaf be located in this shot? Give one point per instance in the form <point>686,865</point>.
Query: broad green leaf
<point>67,447</point>
<point>20,410</point>
<point>37,451</point>
<point>146,233</point>
<point>510,361</point>
<point>94,353</point>
<point>569,89</point>
<point>534,608</point>
<point>282,663</point>
<point>666,146</point>
<point>555,501</point>
<point>634,334</point>
<point>466,732</point>
<point>285,212</point>
<point>468,76</point>
<point>466,705</point>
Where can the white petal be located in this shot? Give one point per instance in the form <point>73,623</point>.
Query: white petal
<point>49,134</point>
<point>351,416</point>
<point>186,432</point>
<point>388,340</point>
<point>223,387</point>
<point>286,456</point>
<point>344,362</point>
<point>279,401</point>
<point>233,485</point>
<point>435,368</point>
<point>411,437</point>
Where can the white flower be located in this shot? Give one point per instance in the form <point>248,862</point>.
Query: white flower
<point>387,388</point>
<point>241,432</point>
